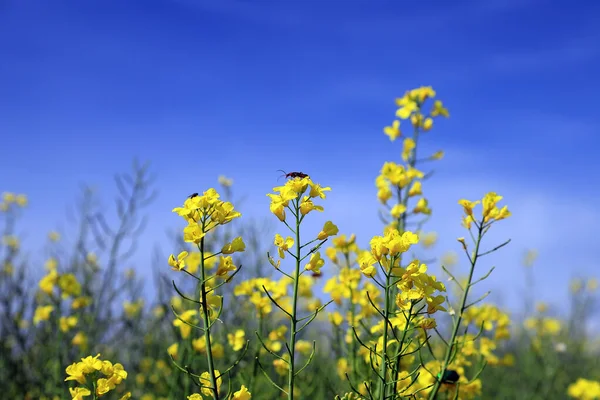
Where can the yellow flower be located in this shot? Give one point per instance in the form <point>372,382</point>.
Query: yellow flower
<point>315,263</point>
<point>278,205</point>
<point>91,258</point>
<point>79,393</point>
<point>416,189</point>
<point>317,191</point>
<point>592,285</point>
<point>199,344</point>
<point>279,333</point>
<point>576,285</point>
<point>54,236</point>
<point>8,197</point>
<point>213,301</point>
<point>427,124</point>
<point>449,259</point>
<point>407,149</point>
<point>366,262</point>
<point>224,181</point>
<point>422,93</point>
<point>42,313</point>
<point>489,202</point>
<point>179,263</point>
<point>438,109</point>
<point>283,244</point>
<point>236,340</point>
<point>21,200</point>
<point>48,282</point>
<point>393,131</point>
<point>225,266</point>
<point>329,229</point>
<point>237,245</point>
<point>69,285</point>
<point>91,364</point>
<point>407,107</point>
<point>336,318</point>
<point>307,205</point>
<point>103,386</point>
<point>343,367</point>
<point>468,206</point>
<point>398,210</point>
<point>75,373</point>
<point>584,389</point>
<point>551,326</point>
<point>541,307</point>
<point>80,340</point>
<point>205,380</point>
<point>173,350</point>
<point>422,207</point>
<point>427,323</point>
<point>193,233</point>
<point>11,241</point>
<point>242,394</point>
<point>435,304</point>
<point>67,323</point>
<point>132,310</point>
<point>438,155</point>
<point>8,268</point>
<point>81,302</point>
<point>281,366</point>
<point>184,328</point>
<point>303,346</point>
<point>427,240</point>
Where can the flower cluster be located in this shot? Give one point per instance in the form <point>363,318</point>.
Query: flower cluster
<point>11,199</point>
<point>584,389</point>
<point>94,374</point>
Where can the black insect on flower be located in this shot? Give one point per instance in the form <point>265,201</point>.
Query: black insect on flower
<point>288,175</point>
<point>191,196</point>
<point>450,376</point>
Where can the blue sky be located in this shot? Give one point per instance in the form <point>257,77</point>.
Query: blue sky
<point>243,88</point>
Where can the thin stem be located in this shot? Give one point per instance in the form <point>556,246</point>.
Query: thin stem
<point>207,324</point>
<point>293,319</point>
<point>256,355</point>
<point>450,348</point>
<point>400,346</point>
<point>386,312</point>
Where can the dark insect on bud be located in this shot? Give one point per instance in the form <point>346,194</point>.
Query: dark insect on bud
<point>450,376</point>
<point>316,274</point>
<point>191,196</point>
<point>293,174</point>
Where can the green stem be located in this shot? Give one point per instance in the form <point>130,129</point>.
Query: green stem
<point>256,354</point>
<point>207,327</point>
<point>294,320</point>
<point>353,343</point>
<point>56,320</point>
<point>353,349</point>
<point>386,311</point>
<point>399,355</point>
<point>463,303</point>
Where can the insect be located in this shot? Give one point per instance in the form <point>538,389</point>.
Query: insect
<point>191,196</point>
<point>450,377</point>
<point>289,175</point>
